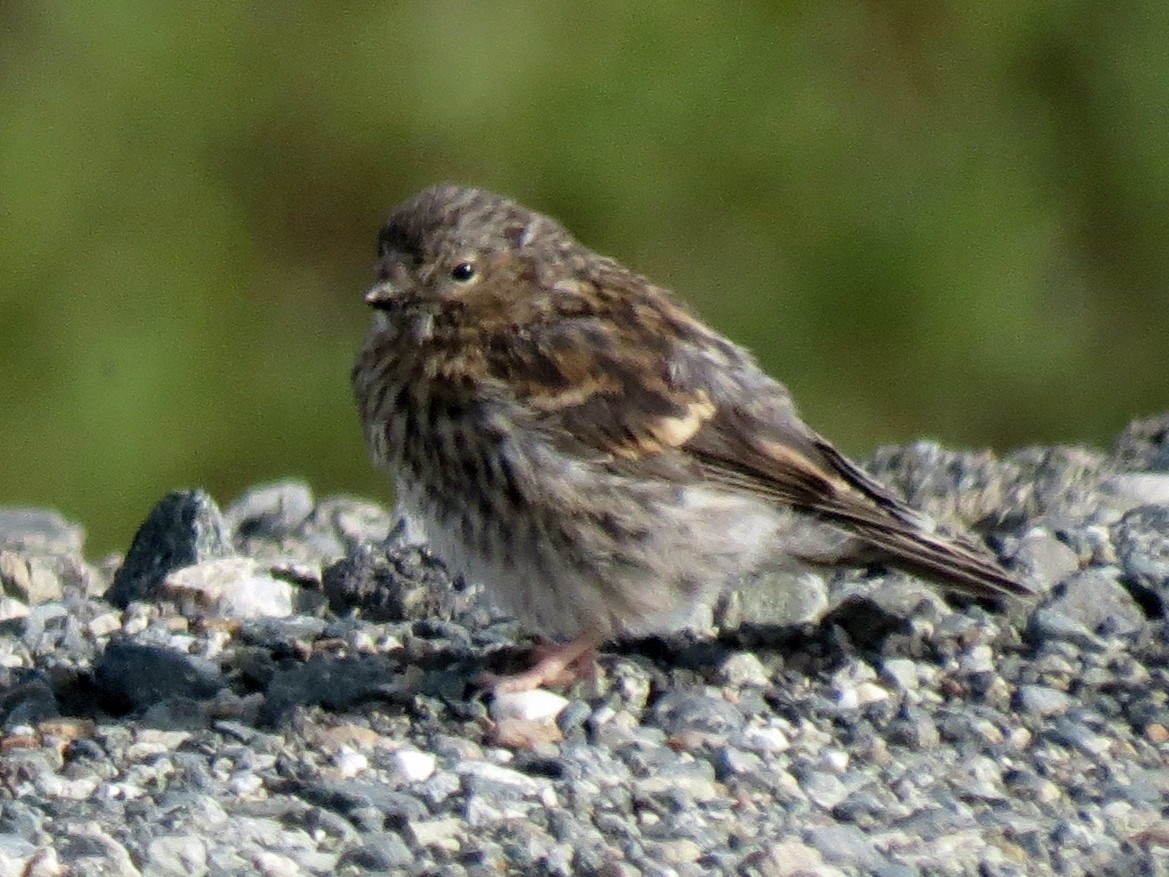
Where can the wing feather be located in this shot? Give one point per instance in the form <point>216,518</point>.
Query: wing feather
<point>645,386</point>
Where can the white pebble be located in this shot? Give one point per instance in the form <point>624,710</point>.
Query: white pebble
<point>768,739</point>
<point>105,624</point>
<point>743,669</point>
<point>412,766</point>
<point>245,784</point>
<point>349,762</point>
<point>537,705</point>
<point>274,865</point>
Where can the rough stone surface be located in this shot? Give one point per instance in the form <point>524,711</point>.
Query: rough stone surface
<point>862,725</point>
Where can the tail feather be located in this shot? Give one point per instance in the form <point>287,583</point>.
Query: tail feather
<point>908,539</point>
<point>949,562</point>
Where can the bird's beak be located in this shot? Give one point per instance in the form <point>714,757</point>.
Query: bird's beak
<point>381,295</point>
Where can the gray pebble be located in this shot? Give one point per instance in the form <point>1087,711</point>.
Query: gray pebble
<point>379,851</point>
<point>1041,700</point>
<point>270,510</point>
<point>39,531</point>
<point>846,845</point>
<point>1096,599</point>
<point>683,710</point>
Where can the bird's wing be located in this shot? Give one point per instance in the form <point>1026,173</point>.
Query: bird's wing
<point>657,393</point>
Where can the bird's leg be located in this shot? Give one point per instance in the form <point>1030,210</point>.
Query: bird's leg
<point>555,664</point>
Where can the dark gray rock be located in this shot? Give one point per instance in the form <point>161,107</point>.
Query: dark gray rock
<point>335,683</point>
<point>26,697</point>
<point>131,676</point>
<point>184,528</point>
<point>1050,625</point>
<point>282,635</point>
<point>392,583</point>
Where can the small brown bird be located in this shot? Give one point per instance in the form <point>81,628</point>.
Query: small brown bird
<point>573,437</point>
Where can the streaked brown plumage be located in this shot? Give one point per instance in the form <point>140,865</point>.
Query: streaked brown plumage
<point>572,436</point>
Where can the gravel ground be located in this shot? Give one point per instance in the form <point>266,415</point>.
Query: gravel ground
<point>285,687</point>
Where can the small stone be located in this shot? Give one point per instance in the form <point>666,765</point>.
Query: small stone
<point>846,845</point>
<point>677,852</point>
<point>1052,625</point>
<point>1139,488</point>
<point>735,762</point>
<point>16,854</point>
<point>777,598</point>
<point>29,579</point>
<point>175,856</point>
<point>349,762</point>
<point>412,766</point>
<point>149,742</point>
<point>443,833</point>
<point>352,521</point>
<point>537,705</point>
<point>334,682</point>
<point>184,528</point>
<point>900,672</point>
<point>697,788</point>
<point>1096,599</point>
<point>269,864</point>
<point>105,624</point>
<point>1045,558</point>
<point>11,608</point>
<point>1041,700</point>
<point>1142,546</point>
<point>1157,733</point>
<point>825,790</point>
<point>788,859</point>
<point>393,583</point>
<point>743,669</point>
<point>270,510</point>
<point>767,739</point>
<point>231,587</point>
<point>682,711</point>
<point>520,734</point>
<point>27,699</point>
<point>383,852</point>
<point>245,785</point>
<point>39,530</point>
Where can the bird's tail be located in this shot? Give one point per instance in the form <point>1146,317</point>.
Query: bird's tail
<point>946,560</point>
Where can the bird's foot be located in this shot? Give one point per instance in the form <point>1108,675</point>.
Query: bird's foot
<point>554,664</point>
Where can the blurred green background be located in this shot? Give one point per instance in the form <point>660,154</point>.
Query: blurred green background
<point>943,219</point>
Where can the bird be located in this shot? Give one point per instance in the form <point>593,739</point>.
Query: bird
<point>573,437</point>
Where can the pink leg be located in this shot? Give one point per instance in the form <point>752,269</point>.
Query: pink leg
<point>556,664</point>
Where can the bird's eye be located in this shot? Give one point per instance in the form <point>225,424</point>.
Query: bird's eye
<point>463,272</point>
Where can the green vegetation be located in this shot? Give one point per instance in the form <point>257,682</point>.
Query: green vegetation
<point>941,220</point>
